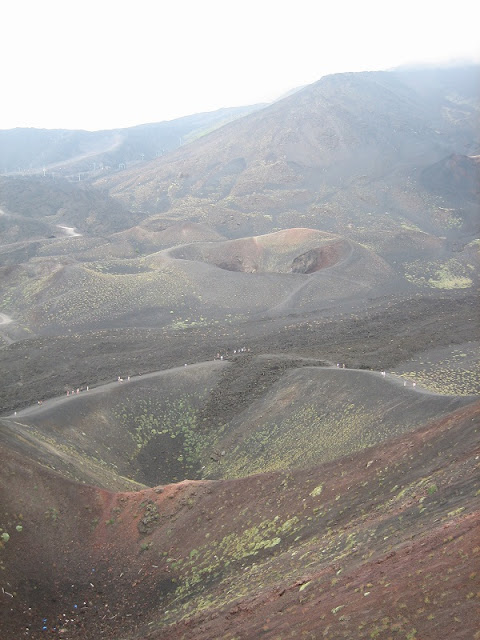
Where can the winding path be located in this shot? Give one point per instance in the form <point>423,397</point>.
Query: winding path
<point>69,231</point>
<point>4,319</point>
<point>391,378</point>
<point>51,402</point>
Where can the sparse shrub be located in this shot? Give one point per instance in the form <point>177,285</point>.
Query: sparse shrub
<point>52,514</point>
<point>317,491</point>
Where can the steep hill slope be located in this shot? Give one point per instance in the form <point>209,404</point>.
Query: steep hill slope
<point>382,542</point>
<point>33,208</point>
<point>345,148</point>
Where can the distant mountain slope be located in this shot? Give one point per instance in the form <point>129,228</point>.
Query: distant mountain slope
<point>349,146</point>
<point>457,180</point>
<point>67,151</point>
<point>34,206</point>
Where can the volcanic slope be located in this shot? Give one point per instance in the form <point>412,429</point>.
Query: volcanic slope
<point>378,542</point>
<point>35,208</point>
<point>383,333</point>
<point>354,154</point>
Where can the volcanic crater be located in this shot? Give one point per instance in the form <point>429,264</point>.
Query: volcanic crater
<point>302,251</point>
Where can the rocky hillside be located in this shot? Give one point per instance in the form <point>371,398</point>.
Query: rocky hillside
<point>343,154</point>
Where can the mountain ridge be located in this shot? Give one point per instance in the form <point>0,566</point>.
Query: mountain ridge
<point>76,152</point>
<point>311,153</point>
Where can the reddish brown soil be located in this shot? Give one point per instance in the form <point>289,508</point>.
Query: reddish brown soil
<point>289,251</point>
<point>388,546</point>
<point>363,601</point>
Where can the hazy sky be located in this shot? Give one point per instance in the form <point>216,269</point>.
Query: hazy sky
<point>105,64</point>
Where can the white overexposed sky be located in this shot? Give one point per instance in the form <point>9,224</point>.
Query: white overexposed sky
<point>102,64</point>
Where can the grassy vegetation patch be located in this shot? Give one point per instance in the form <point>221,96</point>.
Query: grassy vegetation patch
<point>93,292</point>
<point>306,437</point>
<point>448,274</point>
<point>452,372</point>
<point>214,559</point>
<point>165,435</point>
